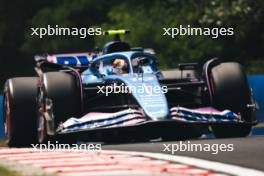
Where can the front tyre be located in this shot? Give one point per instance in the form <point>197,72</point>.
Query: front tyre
<point>231,91</point>
<point>19,111</point>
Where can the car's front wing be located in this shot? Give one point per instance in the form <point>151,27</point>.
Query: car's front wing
<point>132,117</point>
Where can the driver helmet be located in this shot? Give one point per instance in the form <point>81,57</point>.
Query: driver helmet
<point>120,66</point>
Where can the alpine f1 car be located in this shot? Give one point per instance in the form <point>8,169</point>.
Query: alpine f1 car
<point>120,93</point>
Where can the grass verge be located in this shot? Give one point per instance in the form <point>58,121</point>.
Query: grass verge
<point>2,143</point>
<point>260,124</point>
<point>6,172</point>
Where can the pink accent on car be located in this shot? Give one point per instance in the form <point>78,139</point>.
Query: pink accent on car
<point>52,59</point>
<point>97,115</point>
<point>207,109</point>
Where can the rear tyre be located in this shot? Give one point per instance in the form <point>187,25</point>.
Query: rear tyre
<point>231,91</point>
<point>61,92</point>
<point>19,111</point>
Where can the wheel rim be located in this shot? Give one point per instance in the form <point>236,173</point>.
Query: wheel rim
<point>41,120</point>
<point>7,117</point>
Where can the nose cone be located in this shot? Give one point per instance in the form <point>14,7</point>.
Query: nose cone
<point>155,107</point>
<point>151,97</point>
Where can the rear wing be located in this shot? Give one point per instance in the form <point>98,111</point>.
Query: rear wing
<point>73,60</point>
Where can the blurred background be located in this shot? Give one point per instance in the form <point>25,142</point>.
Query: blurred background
<point>145,19</point>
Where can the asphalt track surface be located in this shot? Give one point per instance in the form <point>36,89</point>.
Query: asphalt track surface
<point>248,152</point>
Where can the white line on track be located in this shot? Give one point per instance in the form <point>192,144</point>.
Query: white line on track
<point>201,163</point>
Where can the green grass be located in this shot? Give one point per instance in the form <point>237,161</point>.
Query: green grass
<point>2,144</point>
<point>6,172</point>
<point>260,124</point>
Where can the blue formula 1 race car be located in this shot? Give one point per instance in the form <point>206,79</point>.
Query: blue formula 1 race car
<point>120,94</point>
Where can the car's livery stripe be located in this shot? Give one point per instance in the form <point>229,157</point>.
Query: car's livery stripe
<point>116,163</point>
<point>96,120</point>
